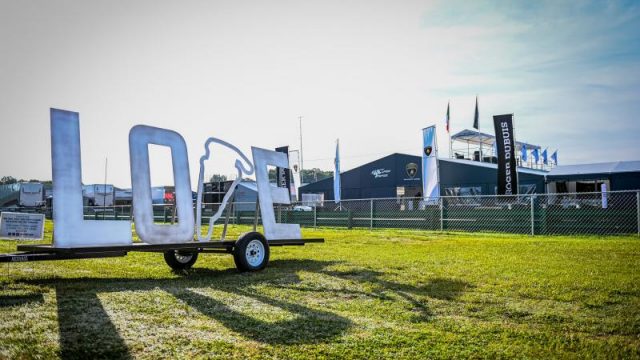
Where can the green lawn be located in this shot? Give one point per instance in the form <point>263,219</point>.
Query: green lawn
<point>362,294</point>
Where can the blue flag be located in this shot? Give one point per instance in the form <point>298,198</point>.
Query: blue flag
<point>336,175</point>
<point>536,155</point>
<point>523,153</point>
<point>544,157</point>
<point>554,157</point>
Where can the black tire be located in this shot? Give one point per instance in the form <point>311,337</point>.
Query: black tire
<point>179,260</point>
<point>251,252</point>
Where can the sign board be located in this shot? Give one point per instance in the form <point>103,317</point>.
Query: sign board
<point>21,226</point>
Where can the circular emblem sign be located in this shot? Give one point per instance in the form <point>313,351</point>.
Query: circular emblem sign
<point>412,169</point>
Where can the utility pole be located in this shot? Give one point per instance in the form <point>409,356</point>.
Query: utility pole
<point>301,161</point>
<point>104,190</point>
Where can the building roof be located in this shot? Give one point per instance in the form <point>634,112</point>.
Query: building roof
<point>476,137</point>
<point>597,168</point>
<point>251,185</point>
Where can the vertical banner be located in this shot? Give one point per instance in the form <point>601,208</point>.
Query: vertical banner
<point>283,175</point>
<point>507,167</point>
<point>294,167</point>
<point>430,177</point>
<point>605,200</point>
<point>336,175</point>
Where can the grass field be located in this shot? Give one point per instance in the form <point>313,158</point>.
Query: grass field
<point>362,294</point>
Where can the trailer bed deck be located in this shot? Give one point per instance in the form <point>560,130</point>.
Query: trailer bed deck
<point>39,252</point>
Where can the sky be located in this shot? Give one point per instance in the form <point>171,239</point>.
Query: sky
<point>371,73</point>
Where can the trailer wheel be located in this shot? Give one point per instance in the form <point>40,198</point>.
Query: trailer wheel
<point>179,260</point>
<point>251,252</point>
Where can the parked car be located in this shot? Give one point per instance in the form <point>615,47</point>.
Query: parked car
<point>302,208</point>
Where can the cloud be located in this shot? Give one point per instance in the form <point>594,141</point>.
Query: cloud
<point>372,73</point>
<point>568,70</point>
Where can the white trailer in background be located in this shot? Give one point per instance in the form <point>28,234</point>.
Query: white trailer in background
<point>103,195</point>
<point>31,194</point>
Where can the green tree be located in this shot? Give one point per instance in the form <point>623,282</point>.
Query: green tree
<point>315,174</point>
<point>8,180</point>
<point>217,178</point>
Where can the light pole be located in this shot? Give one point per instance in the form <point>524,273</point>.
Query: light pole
<point>301,161</point>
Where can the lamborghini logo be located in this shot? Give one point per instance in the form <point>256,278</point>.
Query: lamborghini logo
<point>428,150</point>
<point>412,170</point>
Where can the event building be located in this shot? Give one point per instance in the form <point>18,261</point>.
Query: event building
<point>399,175</point>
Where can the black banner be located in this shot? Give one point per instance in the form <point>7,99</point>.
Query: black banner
<point>506,146</point>
<point>283,175</point>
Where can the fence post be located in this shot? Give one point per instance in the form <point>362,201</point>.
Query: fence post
<point>371,214</point>
<point>441,214</point>
<point>532,215</point>
<point>315,216</point>
<point>638,210</point>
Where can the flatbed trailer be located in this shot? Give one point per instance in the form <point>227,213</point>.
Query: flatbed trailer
<point>251,251</point>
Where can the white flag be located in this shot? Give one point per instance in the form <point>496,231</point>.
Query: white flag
<point>430,178</point>
<point>336,175</point>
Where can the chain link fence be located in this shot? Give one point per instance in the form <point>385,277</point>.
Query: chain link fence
<point>609,213</point>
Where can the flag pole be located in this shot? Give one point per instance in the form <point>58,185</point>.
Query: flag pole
<point>479,133</point>
<point>338,174</point>
<point>449,132</point>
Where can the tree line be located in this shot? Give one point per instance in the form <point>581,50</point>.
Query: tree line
<point>308,175</point>
<point>7,180</point>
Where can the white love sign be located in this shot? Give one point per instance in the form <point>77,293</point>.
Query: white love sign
<point>70,228</point>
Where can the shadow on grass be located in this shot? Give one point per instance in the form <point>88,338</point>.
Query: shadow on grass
<point>438,288</point>
<point>19,300</point>
<point>86,331</point>
<point>308,326</point>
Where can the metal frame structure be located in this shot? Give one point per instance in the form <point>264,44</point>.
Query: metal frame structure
<point>43,252</point>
